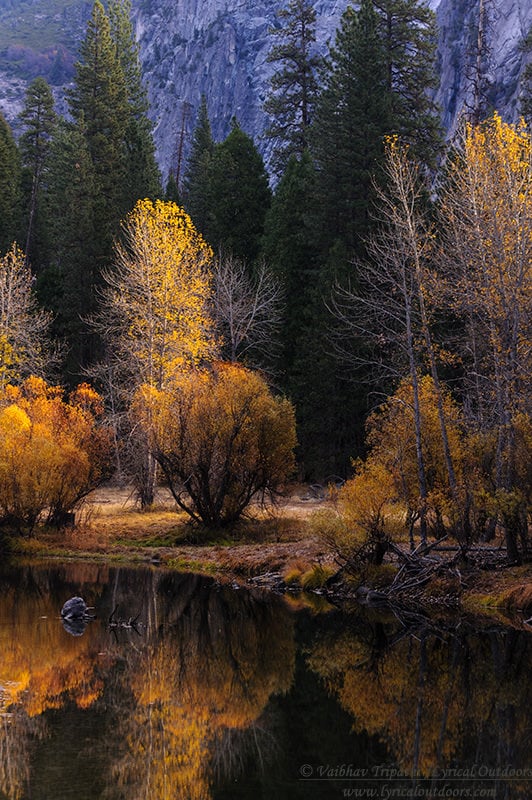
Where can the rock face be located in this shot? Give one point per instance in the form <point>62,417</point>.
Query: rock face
<point>506,23</point>
<point>219,48</point>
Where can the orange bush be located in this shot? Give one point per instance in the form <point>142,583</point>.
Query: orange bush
<point>53,451</point>
<point>221,439</point>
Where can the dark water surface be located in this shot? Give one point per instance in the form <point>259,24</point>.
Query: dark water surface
<point>215,693</point>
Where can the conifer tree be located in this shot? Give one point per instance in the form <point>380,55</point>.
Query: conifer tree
<point>198,172</point>
<point>290,247</point>
<point>68,285</point>
<point>408,31</point>
<point>240,196</point>
<point>39,119</point>
<point>353,114</point>
<point>9,186</point>
<point>142,174</point>
<point>99,105</point>
<point>116,165</point>
<point>293,87</point>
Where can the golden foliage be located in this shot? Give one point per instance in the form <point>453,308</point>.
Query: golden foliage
<point>52,451</point>
<point>366,502</point>
<point>391,437</point>
<point>487,218</point>
<point>158,294</point>
<point>221,438</point>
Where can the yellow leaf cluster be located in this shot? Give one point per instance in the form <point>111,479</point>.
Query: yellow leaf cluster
<point>159,292</point>
<point>52,451</point>
<point>388,480</point>
<point>221,438</point>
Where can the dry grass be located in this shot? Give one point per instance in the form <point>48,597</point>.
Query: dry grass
<point>110,525</point>
<point>280,538</point>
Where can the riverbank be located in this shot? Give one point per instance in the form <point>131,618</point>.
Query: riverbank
<point>277,547</point>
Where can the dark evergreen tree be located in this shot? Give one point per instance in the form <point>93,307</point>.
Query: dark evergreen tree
<point>171,193</point>
<point>9,187</point>
<point>68,285</point>
<point>408,32</point>
<point>196,185</point>
<point>142,173</point>
<point>353,114</point>
<point>116,160</point>
<point>99,105</point>
<point>293,87</point>
<point>39,120</point>
<point>240,196</point>
<point>290,248</point>
<point>307,373</point>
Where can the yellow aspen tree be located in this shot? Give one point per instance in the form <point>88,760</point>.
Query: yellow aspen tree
<point>158,294</point>
<point>156,318</point>
<point>486,213</point>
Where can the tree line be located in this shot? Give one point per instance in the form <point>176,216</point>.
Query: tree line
<point>385,278</point>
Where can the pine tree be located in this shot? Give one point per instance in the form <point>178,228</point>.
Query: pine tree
<point>326,423</point>
<point>9,187</point>
<point>99,105</point>
<point>142,173</point>
<point>116,159</point>
<point>240,196</point>
<point>39,120</point>
<point>408,32</point>
<point>68,285</point>
<point>290,247</point>
<point>198,172</point>
<point>353,114</point>
<point>293,87</point>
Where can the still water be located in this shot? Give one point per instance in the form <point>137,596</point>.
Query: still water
<point>197,691</point>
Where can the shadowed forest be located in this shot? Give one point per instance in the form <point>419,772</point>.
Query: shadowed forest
<point>360,317</point>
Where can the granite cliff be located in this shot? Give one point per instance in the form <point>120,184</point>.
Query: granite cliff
<point>220,47</point>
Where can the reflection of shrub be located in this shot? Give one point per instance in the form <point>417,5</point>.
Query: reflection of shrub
<point>53,452</point>
<point>221,439</point>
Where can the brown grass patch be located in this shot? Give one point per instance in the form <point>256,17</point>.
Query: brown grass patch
<point>519,598</point>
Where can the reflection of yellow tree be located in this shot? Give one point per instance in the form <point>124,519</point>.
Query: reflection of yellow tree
<point>16,729</point>
<point>212,670</point>
<point>417,695</point>
<point>216,671</point>
<point>41,667</point>
<point>40,662</point>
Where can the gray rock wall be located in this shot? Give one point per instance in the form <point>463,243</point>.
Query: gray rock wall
<point>220,48</point>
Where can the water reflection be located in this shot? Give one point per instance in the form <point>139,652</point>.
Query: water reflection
<point>438,697</point>
<point>200,661</point>
<point>216,693</point>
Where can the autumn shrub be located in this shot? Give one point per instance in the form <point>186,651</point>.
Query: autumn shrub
<point>221,438</point>
<point>316,577</point>
<point>53,451</point>
<point>392,441</point>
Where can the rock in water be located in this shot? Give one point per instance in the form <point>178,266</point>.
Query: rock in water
<point>75,608</point>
